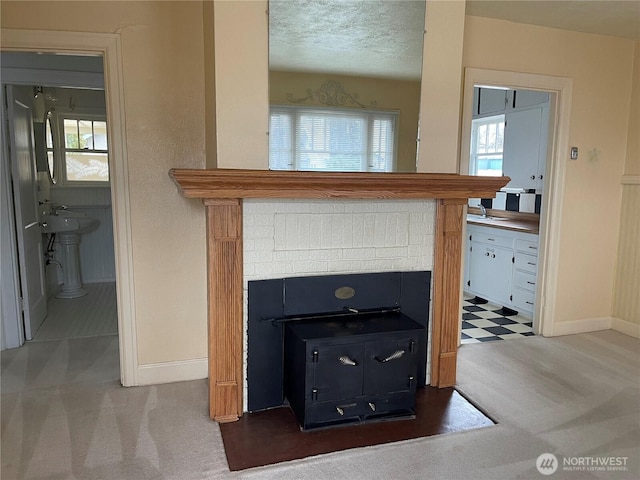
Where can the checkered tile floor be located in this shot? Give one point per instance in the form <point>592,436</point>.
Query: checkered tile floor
<point>483,323</point>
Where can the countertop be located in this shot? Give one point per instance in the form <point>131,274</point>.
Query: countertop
<point>519,222</point>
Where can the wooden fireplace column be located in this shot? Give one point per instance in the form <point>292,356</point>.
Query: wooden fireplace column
<point>222,192</point>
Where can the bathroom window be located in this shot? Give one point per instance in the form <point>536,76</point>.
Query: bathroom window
<point>317,139</point>
<point>85,150</point>
<point>487,144</point>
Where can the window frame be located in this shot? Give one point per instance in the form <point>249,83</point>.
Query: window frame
<point>60,150</point>
<point>295,111</point>
<point>473,153</point>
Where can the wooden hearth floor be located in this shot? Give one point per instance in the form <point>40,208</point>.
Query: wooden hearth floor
<point>273,436</point>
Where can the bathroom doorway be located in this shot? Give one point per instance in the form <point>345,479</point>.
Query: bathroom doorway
<point>69,180</point>
<point>108,47</point>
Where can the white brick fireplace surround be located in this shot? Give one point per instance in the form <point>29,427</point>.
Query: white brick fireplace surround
<point>296,238</point>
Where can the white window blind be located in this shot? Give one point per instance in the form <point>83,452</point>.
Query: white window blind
<point>315,139</point>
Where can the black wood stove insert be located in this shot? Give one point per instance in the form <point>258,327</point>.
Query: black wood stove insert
<point>340,349</point>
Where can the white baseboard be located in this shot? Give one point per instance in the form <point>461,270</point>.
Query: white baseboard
<point>626,327</point>
<point>581,326</point>
<point>168,372</point>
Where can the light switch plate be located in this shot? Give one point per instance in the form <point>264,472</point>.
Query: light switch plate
<point>574,153</point>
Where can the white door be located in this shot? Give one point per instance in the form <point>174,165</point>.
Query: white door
<point>522,147</point>
<point>29,236</point>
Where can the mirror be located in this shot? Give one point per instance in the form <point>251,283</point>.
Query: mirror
<point>344,84</point>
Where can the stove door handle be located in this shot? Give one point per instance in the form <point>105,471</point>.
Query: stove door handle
<point>344,360</point>
<point>395,355</point>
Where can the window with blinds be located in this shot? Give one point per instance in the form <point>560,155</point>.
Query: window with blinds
<point>315,139</point>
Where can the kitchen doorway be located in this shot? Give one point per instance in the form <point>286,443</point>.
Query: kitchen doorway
<point>513,248</point>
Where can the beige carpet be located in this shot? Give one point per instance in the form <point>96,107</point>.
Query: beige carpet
<point>65,417</point>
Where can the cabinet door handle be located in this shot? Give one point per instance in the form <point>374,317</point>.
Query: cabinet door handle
<point>340,411</point>
<point>344,360</point>
<point>531,283</point>
<point>395,355</point>
<point>533,248</point>
<point>493,255</point>
<point>486,254</point>
<point>530,303</point>
<point>491,239</point>
<point>372,406</point>
<point>533,177</point>
<point>531,263</point>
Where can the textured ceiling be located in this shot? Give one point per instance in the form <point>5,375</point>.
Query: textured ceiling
<point>605,17</point>
<point>383,38</point>
<point>379,38</point>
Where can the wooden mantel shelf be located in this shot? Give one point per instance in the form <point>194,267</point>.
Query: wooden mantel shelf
<point>223,183</point>
<point>222,192</point>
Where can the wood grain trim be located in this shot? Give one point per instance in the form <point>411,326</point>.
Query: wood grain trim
<point>446,291</point>
<point>224,245</point>
<point>230,183</point>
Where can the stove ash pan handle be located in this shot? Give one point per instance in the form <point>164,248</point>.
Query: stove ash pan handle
<point>395,355</point>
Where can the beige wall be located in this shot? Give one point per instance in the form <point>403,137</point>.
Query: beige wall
<point>600,68</point>
<point>242,85</point>
<point>400,95</point>
<point>162,53</point>
<point>439,147</point>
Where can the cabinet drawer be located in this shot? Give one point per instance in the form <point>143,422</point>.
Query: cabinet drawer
<point>524,300</point>
<point>527,246</point>
<point>524,280</point>
<point>491,239</point>
<point>526,262</point>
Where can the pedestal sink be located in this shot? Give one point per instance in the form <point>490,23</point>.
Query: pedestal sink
<point>68,226</point>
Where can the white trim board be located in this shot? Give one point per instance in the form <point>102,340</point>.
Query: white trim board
<point>168,372</point>
<point>108,46</point>
<point>596,324</point>
<point>626,327</point>
<point>630,180</point>
<point>584,325</point>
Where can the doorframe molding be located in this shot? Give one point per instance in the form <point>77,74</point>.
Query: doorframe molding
<point>109,47</point>
<point>554,182</point>
<point>12,333</point>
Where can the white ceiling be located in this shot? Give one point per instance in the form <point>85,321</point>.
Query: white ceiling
<point>383,38</point>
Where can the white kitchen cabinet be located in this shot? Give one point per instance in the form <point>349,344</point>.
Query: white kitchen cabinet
<point>501,266</point>
<point>528,98</point>
<point>525,147</point>
<point>490,271</point>
<point>491,101</point>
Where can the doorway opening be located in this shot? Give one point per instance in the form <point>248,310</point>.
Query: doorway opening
<point>106,46</point>
<point>514,125</point>
<point>62,219</point>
